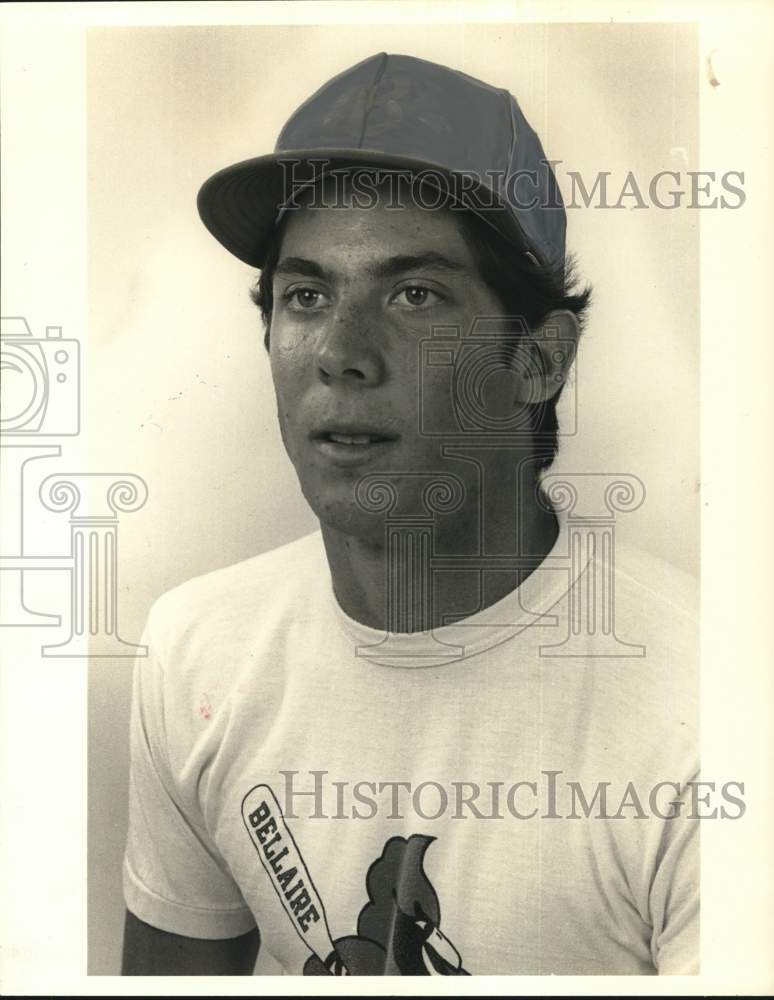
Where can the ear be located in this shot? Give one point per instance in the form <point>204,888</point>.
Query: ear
<point>545,359</point>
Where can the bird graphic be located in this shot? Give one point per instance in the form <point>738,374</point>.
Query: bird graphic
<point>398,929</point>
<point>398,932</point>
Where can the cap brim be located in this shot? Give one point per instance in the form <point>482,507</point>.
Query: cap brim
<point>240,204</point>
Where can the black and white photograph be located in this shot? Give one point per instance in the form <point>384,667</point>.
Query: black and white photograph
<point>385,540</point>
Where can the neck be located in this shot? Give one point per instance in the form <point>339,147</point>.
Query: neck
<point>387,587</point>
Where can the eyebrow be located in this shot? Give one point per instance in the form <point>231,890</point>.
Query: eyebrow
<point>394,266</point>
<point>390,268</point>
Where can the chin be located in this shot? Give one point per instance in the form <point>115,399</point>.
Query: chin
<point>336,508</point>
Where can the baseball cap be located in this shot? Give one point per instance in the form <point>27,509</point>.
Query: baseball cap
<point>399,113</point>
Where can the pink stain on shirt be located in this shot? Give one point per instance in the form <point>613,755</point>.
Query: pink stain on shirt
<point>205,708</point>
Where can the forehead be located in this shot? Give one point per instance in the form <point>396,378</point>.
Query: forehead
<point>378,220</point>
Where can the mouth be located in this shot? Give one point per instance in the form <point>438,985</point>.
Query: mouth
<point>351,445</point>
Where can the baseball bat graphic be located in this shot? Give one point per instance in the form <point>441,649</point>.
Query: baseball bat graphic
<point>283,863</point>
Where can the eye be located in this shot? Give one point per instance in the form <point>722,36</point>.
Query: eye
<point>304,298</point>
<point>416,297</point>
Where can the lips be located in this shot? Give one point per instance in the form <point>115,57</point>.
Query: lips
<point>354,438</point>
<point>352,433</point>
<point>351,444</point>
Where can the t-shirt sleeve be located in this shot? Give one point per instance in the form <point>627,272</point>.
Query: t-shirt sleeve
<point>675,898</point>
<point>173,876</point>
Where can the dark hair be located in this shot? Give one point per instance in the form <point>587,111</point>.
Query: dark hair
<point>526,289</point>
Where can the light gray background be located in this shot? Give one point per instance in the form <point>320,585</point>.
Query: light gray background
<point>178,387</point>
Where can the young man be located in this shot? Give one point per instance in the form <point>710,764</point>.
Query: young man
<point>401,745</point>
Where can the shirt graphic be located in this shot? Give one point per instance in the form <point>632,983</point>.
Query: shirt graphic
<point>398,929</point>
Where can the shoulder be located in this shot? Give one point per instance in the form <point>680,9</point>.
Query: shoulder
<point>252,590</point>
<point>640,692</point>
<point>220,634</point>
<point>653,586</point>
<point>656,608</point>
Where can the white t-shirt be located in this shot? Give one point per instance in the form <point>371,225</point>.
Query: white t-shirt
<point>418,806</point>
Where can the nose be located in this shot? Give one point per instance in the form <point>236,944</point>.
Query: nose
<point>348,352</point>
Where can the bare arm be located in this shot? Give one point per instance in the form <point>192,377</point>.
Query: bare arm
<point>151,952</point>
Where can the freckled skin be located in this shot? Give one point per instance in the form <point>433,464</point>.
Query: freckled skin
<point>354,356</point>
<point>345,347</point>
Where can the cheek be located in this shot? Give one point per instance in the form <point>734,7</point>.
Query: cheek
<point>289,359</point>
<point>286,375</point>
